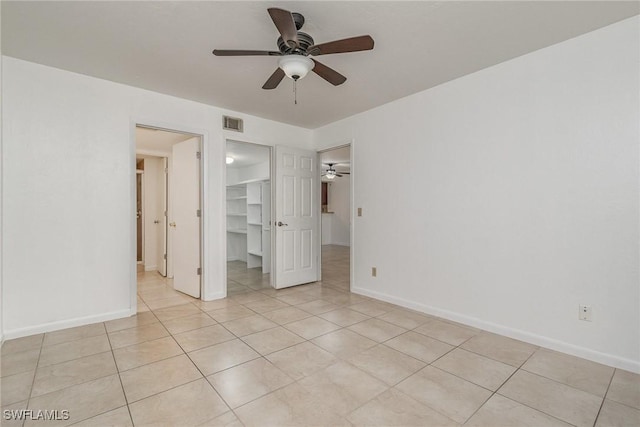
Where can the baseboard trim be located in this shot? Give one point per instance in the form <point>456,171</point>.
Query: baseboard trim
<point>69,323</point>
<point>215,296</point>
<point>539,340</point>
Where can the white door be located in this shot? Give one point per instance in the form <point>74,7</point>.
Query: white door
<point>185,223</point>
<point>295,221</point>
<point>163,210</point>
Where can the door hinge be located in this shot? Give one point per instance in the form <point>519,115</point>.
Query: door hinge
<point>165,213</point>
<point>198,213</point>
<point>199,271</point>
<point>198,155</point>
<point>166,170</point>
<point>164,256</point>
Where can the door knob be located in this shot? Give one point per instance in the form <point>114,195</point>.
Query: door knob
<point>172,224</point>
<point>282,224</point>
<point>156,221</point>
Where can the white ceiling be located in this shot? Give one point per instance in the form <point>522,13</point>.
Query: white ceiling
<point>166,46</point>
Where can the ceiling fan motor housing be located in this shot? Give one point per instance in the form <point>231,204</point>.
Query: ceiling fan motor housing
<point>304,42</point>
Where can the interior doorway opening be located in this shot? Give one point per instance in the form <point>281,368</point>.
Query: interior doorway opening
<point>171,214</point>
<point>248,217</point>
<point>336,207</point>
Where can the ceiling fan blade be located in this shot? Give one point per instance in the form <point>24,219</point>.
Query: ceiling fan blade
<point>353,44</point>
<point>338,175</point>
<point>230,52</point>
<point>345,173</point>
<point>329,74</point>
<point>283,20</point>
<point>275,79</point>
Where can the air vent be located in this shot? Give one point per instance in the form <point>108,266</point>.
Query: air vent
<point>231,123</point>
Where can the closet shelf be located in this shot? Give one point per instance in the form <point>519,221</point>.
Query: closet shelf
<point>237,230</point>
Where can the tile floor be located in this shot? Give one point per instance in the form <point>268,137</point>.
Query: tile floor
<point>309,355</point>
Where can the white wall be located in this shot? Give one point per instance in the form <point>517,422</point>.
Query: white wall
<point>68,197</point>
<point>516,198</point>
<point>340,205</point>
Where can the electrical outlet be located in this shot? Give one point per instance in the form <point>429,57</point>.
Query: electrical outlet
<point>584,312</point>
<point>374,272</point>
<point>359,211</point>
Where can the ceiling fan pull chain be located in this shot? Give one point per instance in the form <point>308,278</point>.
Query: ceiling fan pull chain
<point>295,92</point>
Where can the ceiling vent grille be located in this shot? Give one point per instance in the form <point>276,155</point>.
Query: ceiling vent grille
<point>232,123</point>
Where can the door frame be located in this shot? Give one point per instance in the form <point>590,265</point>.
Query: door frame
<point>352,216</point>
<point>204,208</point>
<point>142,223</point>
<point>224,207</point>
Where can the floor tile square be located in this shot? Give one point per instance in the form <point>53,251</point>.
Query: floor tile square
<point>16,363</point>
<point>176,311</point>
<point>419,346</point>
<point>582,374</point>
<point>625,388</point>
<point>16,388</point>
<point>137,335</point>
<point>377,330</point>
<point>286,315</point>
<point>291,406</point>
<point>230,313</point>
<point>189,323</point>
<point>222,356</point>
<point>147,352</point>
<point>19,345</point>
<point>343,343</point>
<point>342,387</point>
<point>558,400</point>
<point>203,337</point>
<point>503,349</point>
<point>73,334</point>
<point>394,408</point>
<point>139,319</point>
<point>249,381</point>
<point>56,377</point>
<point>344,317</point>
<point>157,377</point>
<point>449,395</point>
<point>116,418</point>
<point>301,360</point>
<point>265,305</point>
<point>84,400</point>
<point>500,411</point>
<point>249,325</point>
<point>311,327</point>
<point>318,307</point>
<point>614,414</point>
<point>386,364</point>
<point>63,352</point>
<point>197,400</point>
<point>405,318</point>
<point>271,340</point>
<point>446,332</point>
<point>480,370</point>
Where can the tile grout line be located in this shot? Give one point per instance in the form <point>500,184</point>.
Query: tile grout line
<point>124,394</point>
<point>604,397</point>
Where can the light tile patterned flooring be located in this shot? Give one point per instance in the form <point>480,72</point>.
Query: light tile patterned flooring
<point>309,355</point>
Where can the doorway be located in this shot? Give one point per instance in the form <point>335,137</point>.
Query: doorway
<point>171,215</point>
<point>336,206</point>
<point>248,217</point>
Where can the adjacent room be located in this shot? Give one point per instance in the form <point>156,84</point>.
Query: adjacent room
<point>315,213</point>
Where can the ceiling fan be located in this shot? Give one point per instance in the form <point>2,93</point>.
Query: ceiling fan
<point>295,48</point>
<point>331,172</point>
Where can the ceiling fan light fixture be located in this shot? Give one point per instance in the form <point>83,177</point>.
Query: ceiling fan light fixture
<point>230,160</point>
<point>296,66</point>
<point>330,174</point>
